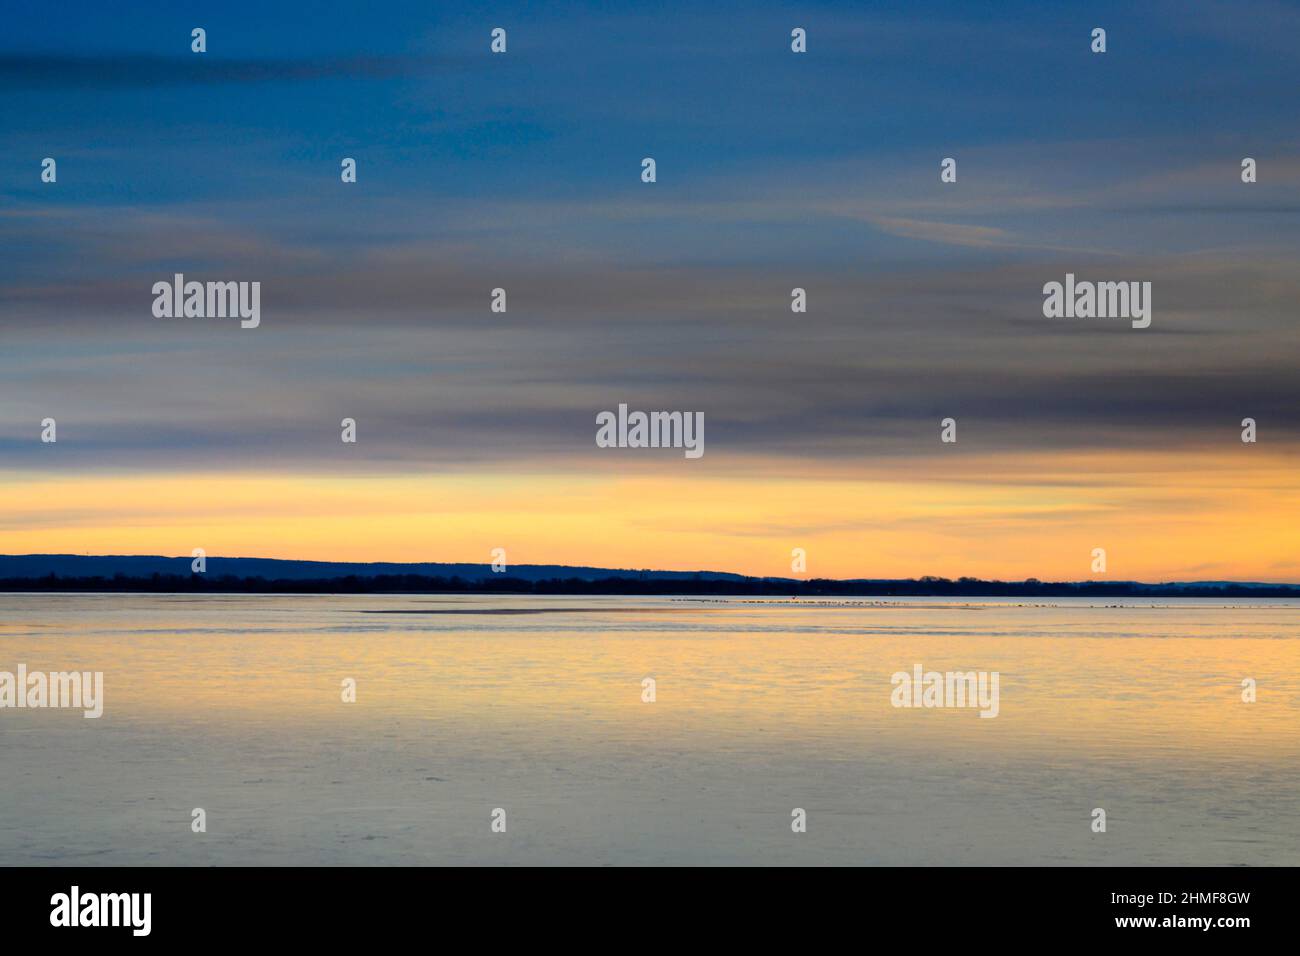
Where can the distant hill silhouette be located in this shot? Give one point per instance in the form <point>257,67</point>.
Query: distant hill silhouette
<point>152,573</point>
<point>132,565</point>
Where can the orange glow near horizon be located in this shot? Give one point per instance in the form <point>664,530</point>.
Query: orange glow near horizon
<point>1160,518</point>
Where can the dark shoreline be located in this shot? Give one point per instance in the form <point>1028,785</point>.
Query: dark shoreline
<point>419,584</point>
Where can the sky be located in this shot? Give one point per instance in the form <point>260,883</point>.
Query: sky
<point>476,430</point>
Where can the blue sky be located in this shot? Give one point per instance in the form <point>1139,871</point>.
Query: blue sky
<point>522,171</point>
<point>712,94</point>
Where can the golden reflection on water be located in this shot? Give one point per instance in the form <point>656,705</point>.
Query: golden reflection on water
<point>1140,682</point>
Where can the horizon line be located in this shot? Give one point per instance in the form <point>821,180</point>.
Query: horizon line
<point>613,571</point>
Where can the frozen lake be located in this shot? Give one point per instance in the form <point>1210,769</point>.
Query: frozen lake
<point>234,704</point>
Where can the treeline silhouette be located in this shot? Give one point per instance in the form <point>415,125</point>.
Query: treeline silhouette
<point>504,584</point>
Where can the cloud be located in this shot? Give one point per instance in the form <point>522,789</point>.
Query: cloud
<point>117,71</point>
<point>947,232</point>
<point>405,344</point>
<point>925,299</point>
